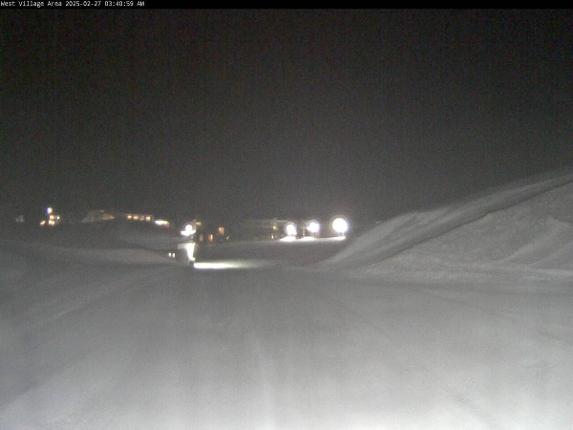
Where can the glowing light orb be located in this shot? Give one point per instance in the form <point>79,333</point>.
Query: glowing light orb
<point>339,225</point>
<point>290,229</point>
<point>313,226</point>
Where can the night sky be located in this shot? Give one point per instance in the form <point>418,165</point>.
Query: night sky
<point>277,112</point>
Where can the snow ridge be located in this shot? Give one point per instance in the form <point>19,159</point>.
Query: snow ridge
<point>526,223</point>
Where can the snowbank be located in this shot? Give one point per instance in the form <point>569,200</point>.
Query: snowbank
<point>524,229</point>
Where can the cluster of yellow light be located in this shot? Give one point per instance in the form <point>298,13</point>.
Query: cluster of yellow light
<point>139,217</point>
<point>49,222</point>
<point>52,220</point>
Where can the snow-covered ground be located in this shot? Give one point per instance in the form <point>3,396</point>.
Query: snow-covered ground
<point>458,318</point>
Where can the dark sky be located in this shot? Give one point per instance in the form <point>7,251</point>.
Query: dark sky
<point>276,113</point>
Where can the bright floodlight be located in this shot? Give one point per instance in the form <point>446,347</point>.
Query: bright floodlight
<point>290,229</point>
<point>339,225</point>
<point>313,227</point>
<point>188,230</point>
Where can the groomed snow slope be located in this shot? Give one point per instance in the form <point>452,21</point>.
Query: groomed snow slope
<point>524,229</point>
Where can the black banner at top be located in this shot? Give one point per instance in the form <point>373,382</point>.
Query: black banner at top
<point>127,4</point>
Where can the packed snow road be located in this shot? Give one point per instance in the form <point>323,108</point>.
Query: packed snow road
<point>166,348</point>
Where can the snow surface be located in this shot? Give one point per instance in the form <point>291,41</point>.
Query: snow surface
<point>468,324</point>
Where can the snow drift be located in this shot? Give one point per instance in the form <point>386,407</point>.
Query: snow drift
<point>525,228</point>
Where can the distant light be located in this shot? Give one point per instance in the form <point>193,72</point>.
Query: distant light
<point>313,226</point>
<point>161,222</point>
<point>339,225</point>
<point>188,230</point>
<point>290,229</point>
<point>49,210</point>
<point>43,222</point>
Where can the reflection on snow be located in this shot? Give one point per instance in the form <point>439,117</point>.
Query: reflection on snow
<point>288,239</point>
<point>190,248</point>
<point>231,264</point>
<point>312,239</point>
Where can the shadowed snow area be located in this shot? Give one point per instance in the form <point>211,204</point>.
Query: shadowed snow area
<point>458,318</point>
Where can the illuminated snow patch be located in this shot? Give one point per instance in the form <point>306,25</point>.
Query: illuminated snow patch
<point>231,264</point>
